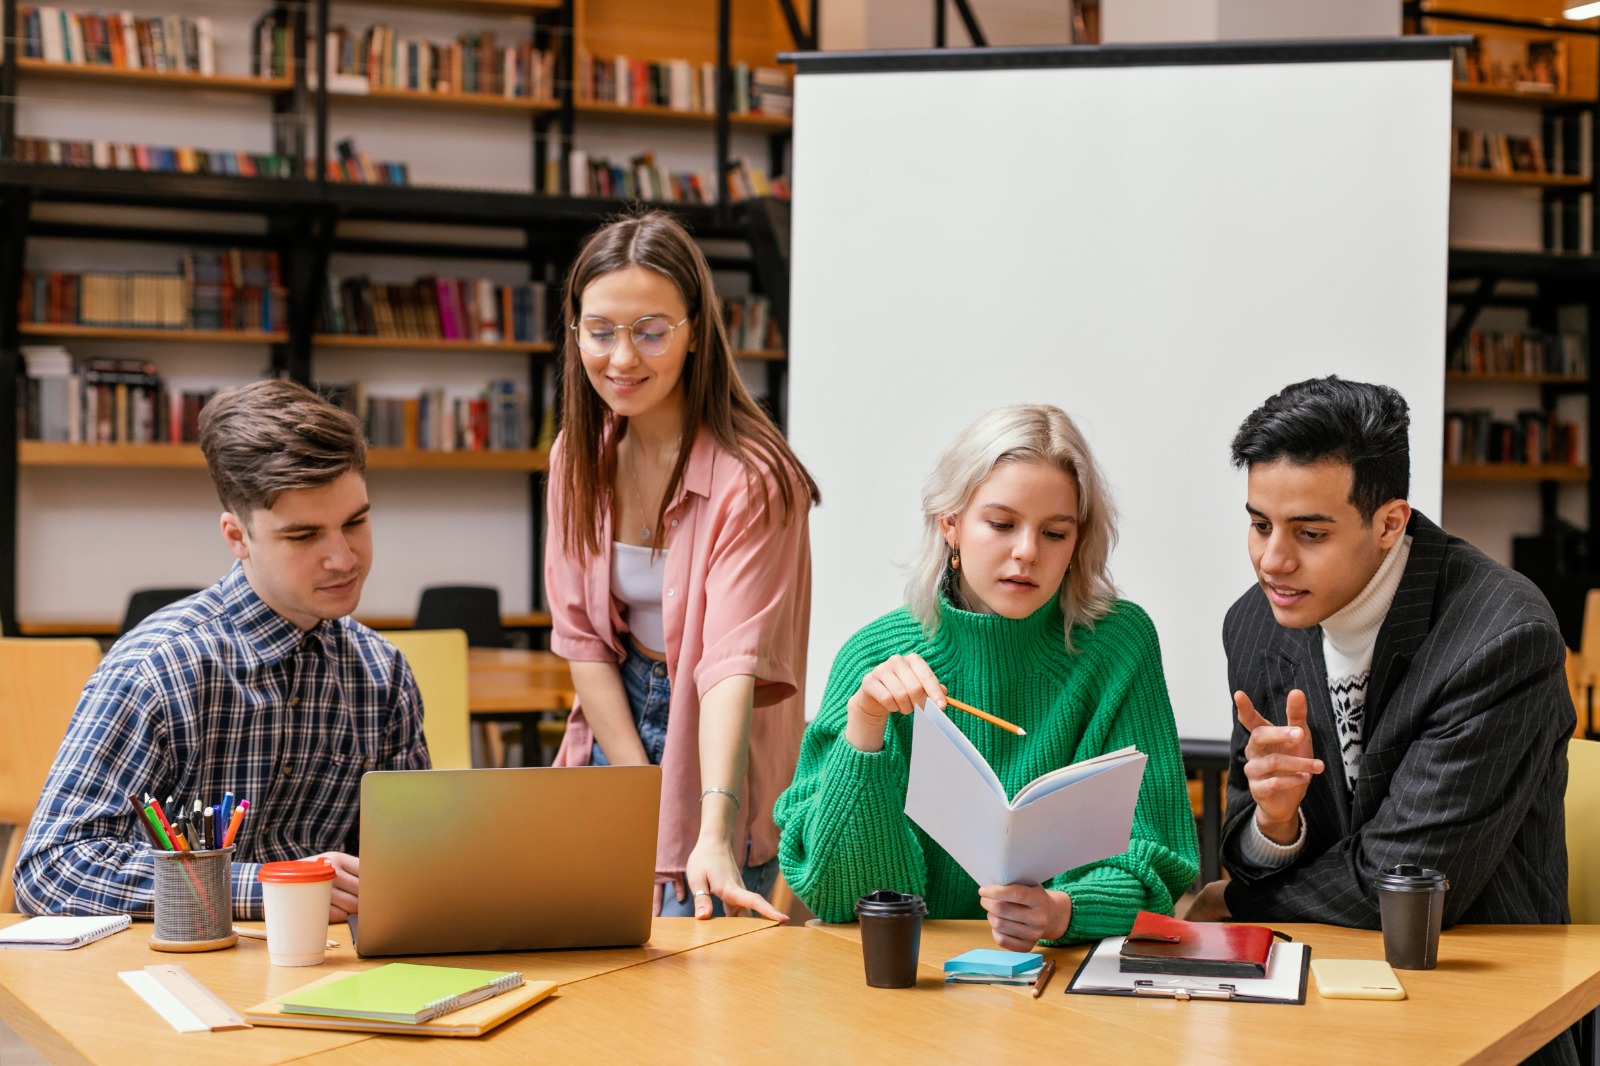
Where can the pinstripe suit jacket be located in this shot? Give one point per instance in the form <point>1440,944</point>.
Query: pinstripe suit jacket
<point>1465,734</point>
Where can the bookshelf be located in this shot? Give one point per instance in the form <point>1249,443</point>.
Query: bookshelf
<point>44,69</point>
<point>1523,277</point>
<point>505,224</point>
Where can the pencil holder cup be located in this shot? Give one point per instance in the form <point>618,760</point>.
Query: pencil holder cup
<point>891,936</point>
<point>194,900</point>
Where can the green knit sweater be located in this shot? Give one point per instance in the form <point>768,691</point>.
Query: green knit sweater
<point>843,822</point>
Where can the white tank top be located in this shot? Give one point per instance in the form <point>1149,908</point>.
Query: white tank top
<point>637,578</point>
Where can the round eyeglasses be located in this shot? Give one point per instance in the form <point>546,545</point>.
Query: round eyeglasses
<point>650,335</point>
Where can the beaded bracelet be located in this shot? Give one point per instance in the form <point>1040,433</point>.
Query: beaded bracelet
<point>724,792</point>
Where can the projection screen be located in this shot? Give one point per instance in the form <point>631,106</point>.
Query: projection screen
<point>1154,238</point>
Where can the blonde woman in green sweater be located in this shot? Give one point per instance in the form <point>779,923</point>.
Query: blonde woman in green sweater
<point>1010,607</point>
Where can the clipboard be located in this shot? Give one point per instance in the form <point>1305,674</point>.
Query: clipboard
<point>1288,970</point>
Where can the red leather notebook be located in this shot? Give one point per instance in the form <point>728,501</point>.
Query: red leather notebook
<point>1159,944</point>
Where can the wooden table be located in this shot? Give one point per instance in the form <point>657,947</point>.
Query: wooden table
<point>530,688</point>
<point>738,990</point>
<point>1499,993</point>
<point>73,1008</point>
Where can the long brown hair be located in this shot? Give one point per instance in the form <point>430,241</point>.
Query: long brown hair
<point>714,396</point>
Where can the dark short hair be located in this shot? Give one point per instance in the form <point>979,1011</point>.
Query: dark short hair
<point>1331,420</point>
<point>266,438</point>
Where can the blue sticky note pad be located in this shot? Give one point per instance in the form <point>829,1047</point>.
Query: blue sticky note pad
<point>994,961</point>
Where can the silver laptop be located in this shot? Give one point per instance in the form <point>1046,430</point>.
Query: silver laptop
<point>459,861</point>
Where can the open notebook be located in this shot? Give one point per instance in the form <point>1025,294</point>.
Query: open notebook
<point>1061,820</point>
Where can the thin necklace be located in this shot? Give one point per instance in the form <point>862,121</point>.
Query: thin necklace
<point>645,529</point>
<point>638,502</point>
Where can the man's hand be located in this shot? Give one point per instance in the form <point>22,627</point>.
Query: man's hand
<point>1209,905</point>
<point>1278,764</point>
<point>346,882</point>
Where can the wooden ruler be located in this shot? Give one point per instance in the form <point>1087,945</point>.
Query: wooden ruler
<point>200,1000</point>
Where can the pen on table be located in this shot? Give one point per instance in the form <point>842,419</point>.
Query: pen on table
<point>1046,971</point>
<point>260,934</point>
<point>986,716</point>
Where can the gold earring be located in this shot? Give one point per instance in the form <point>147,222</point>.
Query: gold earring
<point>955,558</point>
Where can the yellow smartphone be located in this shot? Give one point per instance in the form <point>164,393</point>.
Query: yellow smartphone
<point>1356,979</point>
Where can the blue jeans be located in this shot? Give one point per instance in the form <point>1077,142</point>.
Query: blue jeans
<point>649,696</point>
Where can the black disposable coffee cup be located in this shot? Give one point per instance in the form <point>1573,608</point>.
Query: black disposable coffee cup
<point>891,936</point>
<point>1411,902</point>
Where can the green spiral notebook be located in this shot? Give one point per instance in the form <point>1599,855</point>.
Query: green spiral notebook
<point>401,992</point>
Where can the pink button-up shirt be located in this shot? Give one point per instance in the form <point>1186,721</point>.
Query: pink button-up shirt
<point>737,600</point>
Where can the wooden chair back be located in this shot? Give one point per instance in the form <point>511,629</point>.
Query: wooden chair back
<point>438,659</point>
<point>40,682</point>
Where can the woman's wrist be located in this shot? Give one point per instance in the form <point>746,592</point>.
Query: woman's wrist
<point>864,731</point>
<point>719,809</point>
<point>1062,914</point>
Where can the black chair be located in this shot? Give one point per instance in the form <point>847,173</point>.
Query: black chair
<point>142,603</point>
<point>472,608</point>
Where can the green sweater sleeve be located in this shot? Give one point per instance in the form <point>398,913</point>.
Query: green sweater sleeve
<point>843,824</point>
<point>1162,859</point>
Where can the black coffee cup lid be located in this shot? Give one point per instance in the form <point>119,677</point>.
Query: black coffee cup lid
<point>1408,877</point>
<point>887,903</point>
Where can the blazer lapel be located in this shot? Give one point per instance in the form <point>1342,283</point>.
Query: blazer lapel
<point>1328,798</point>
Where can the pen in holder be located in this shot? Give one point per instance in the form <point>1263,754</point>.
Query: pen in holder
<point>194,900</point>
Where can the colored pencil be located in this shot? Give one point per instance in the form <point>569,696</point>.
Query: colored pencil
<point>986,716</point>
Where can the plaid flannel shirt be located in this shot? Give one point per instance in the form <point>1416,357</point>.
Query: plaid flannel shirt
<point>213,694</point>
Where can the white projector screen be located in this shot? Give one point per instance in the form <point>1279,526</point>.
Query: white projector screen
<point>1154,239</point>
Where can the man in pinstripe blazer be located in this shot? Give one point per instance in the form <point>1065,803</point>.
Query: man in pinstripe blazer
<point>1400,696</point>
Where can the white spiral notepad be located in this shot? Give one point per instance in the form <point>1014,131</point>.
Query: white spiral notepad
<point>57,932</point>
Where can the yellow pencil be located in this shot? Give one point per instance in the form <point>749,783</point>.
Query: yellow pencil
<point>986,716</point>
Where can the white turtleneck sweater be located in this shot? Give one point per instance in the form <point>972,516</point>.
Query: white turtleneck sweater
<point>1349,636</point>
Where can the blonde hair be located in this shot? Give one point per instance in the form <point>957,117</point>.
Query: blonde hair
<point>1021,433</point>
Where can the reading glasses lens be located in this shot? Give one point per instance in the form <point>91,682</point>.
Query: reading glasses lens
<point>649,336</point>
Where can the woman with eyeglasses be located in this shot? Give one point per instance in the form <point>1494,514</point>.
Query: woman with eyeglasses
<point>677,563</point>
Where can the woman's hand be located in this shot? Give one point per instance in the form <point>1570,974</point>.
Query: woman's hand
<point>713,871</point>
<point>894,686</point>
<point>1022,915</point>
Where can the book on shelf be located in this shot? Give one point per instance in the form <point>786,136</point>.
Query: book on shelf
<point>237,289</point>
<point>1533,438</point>
<point>272,45</point>
<point>476,63</point>
<point>96,401</point>
<point>1530,352</point>
<point>434,308</point>
<point>641,179</point>
<point>1537,65</point>
<point>495,418</point>
<point>679,85</point>
<point>1500,153</point>
<point>349,165</point>
<point>746,182</point>
<point>749,323</point>
<point>151,158</point>
<point>1569,224</point>
<point>163,44</point>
